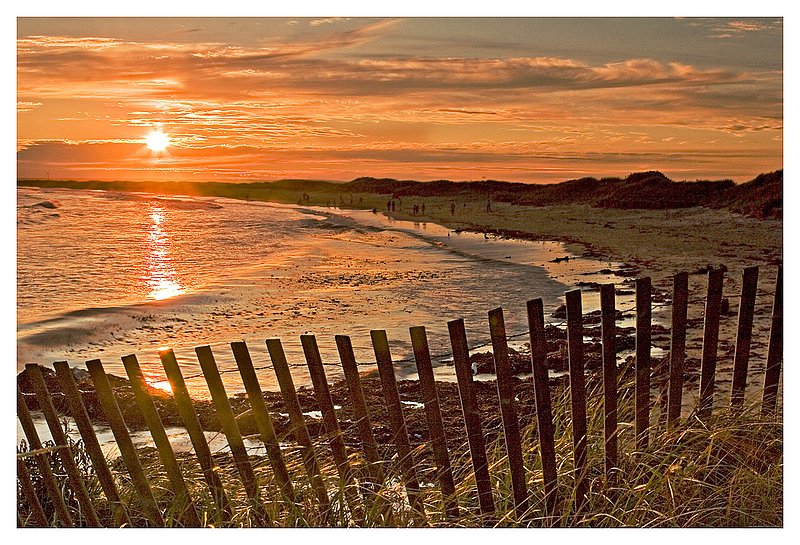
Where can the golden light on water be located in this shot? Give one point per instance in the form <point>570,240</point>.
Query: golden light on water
<point>161,385</point>
<point>161,277</point>
<point>156,381</point>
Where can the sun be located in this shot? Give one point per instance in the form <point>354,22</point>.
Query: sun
<point>156,141</point>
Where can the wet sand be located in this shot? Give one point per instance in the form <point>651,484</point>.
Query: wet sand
<point>653,243</point>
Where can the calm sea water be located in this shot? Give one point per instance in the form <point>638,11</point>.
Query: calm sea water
<point>104,274</point>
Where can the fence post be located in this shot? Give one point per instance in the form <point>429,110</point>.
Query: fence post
<point>360,411</point>
<point>472,419</point>
<point>577,390</point>
<point>677,351</point>
<point>508,410</point>
<point>383,357</point>
<point>427,384</point>
<point>299,428</point>
<point>608,326</point>
<point>643,337</point>
<point>159,435</point>
<point>228,420</point>
<point>261,415</point>
<point>24,478</point>
<point>544,413</point>
<point>331,423</point>
<point>59,438</point>
<point>708,363</point>
<point>775,351</point>
<point>126,448</point>
<point>189,417</point>
<point>92,445</point>
<point>744,334</point>
<point>50,482</point>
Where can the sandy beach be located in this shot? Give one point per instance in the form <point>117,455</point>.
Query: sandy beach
<point>634,242</point>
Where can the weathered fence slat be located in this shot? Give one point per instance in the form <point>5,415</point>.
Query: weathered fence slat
<point>472,419</point>
<point>90,442</point>
<point>608,326</point>
<point>427,385</point>
<point>677,351</point>
<point>60,439</point>
<point>50,482</point>
<point>299,428</point>
<point>24,478</point>
<point>189,417</point>
<point>577,389</point>
<point>231,430</point>
<point>383,357</point>
<point>744,334</point>
<point>775,351</point>
<point>708,362</point>
<point>262,419</point>
<point>360,411</point>
<point>126,448</point>
<point>183,500</point>
<point>322,393</point>
<point>508,409</point>
<point>544,413</point>
<point>643,341</point>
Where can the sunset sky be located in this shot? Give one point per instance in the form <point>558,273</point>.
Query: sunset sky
<point>518,99</point>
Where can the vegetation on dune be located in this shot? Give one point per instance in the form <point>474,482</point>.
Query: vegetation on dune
<point>761,197</point>
<point>722,471</point>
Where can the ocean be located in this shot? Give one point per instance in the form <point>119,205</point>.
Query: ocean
<point>104,274</point>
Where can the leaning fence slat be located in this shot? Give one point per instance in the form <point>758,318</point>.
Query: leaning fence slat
<point>544,413</point>
<point>50,482</point>
<point>59,438</point>
<point>90,442</point>
<point>126,448</point>
<point>608,331</point>
<point>775,351</point>
<point>331,423</point>
<point>708,362</point>
<point>383,358</point>
<point>433,413</point>
<point>261,416</point>
<point>472,419</point>
<point>147,407</point>
<point>744,334</point>
<point>643,341</point>
<point>231,430</point>
<point>508,409</point>
<point>677,351</point>
<point>299,428</point>
<point>360,411</point>
<point>577,389</point>
<point>189,417</point>
<point>24,478</point>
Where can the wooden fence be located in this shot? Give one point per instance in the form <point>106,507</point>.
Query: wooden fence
<point>358,498</point>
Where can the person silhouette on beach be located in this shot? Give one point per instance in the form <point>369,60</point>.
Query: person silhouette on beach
<point>423,208</point>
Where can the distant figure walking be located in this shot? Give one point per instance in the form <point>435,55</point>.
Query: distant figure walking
<point>488,205</point>
<point>392,206</point>
<point>416,209</point>
<point>388,206</point>
<point>452,208</point>
<point>423,208</point>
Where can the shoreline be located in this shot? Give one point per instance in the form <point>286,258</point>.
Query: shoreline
<point>500,253</point>
<point>632,238</point>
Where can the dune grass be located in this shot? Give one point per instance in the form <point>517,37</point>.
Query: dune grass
<point>723,471</point>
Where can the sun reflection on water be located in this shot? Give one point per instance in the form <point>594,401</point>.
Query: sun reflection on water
<point>161,277</point>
